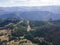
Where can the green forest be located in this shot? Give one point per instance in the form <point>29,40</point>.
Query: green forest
<point>41,32</point>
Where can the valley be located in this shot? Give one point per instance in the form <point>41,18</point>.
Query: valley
<point>30,25</point>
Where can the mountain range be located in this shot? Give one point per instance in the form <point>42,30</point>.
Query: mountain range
<point>31,13</point>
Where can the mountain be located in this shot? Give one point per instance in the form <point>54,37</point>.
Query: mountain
<point>31,13</point>
<point>8,15</point>
<point>39,15</point>
<point>53,9</point>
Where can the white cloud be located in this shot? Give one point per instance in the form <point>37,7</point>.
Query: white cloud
<point>29,2</point>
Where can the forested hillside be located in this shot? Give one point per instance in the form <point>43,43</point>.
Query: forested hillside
<point>40,32</point>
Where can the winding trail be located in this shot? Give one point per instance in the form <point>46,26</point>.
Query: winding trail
<point>28,26</point>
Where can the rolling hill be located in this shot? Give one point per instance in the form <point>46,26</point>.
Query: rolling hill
<point>31,13</point>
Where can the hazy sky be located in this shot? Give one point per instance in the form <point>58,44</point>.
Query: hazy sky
<point>8,3</point>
